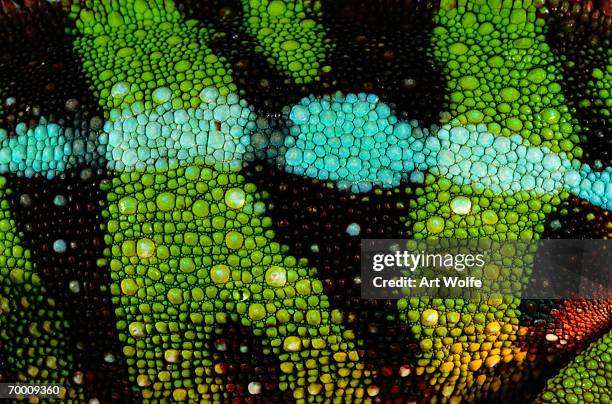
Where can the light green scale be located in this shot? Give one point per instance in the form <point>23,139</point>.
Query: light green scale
<point>191,250</point>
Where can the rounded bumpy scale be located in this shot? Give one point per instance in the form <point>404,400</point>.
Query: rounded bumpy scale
<point>191,251</point>
<point>49,120</point>
<point>353,140</point>
<point>60,222</point>
<point>563,326</point>
<point>142,54</point>
<point>479,46</point>
<point>358,142</point>
<point>576,15</point>
<point>360,54</point>
<point>32,329</point>
<point>476,44</point>
<point>131,48</point>
<point>389,59</point>
<point>219,130</point>
<point>289,33</point>
<point>577,218</point>
<point>40,74</point>
<point>587,378</point>
<point>581,41</point>
<point>327,225</point>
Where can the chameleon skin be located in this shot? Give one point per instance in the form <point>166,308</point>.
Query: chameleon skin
<point>358,142</point>
<point>583,48</point>
<point>202,256</point>
<point>289,33</point>
<point>147,301</point>
<point>462,343</point>
<point>586,379</point>
<point>30,322</point>
<point>496,220</point>
<point>478,43</point>
<point>50,121</point>
<point>53,327</point>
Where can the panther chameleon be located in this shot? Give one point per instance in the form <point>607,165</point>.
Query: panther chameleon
<point>185,185</point>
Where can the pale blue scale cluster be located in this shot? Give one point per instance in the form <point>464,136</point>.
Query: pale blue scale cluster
<point>48,148</point>
<point>357,142</point>
<point>353,140</point>
<point>506,165</point>
<point>593,186</point>
<point>471,155</point>
<point>146,140</point>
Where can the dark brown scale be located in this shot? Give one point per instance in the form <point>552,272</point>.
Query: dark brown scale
<point>594,14</point>
<point>578,219</point>
<point>312,217</point>
<point>39,73</point>
<point>6,375</point>
<point>92,334</point>
<point>239,359</point>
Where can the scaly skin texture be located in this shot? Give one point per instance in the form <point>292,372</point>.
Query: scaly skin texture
<point>587,379</point>
<point>289,34</point>
<point>190,244</point>
<point>145,45</point>
<point>30,322</point>
<point>500,72</point>
<point>143,256</point>
<point>202,255</point>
